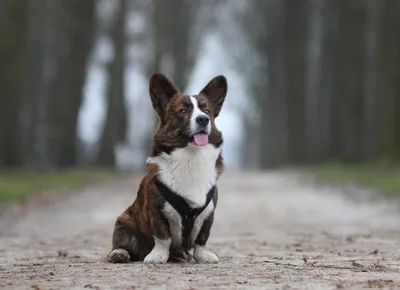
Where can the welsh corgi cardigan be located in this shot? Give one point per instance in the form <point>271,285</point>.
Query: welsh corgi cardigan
<point>171,218</point>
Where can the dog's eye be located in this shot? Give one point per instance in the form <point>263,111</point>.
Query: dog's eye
<point>182,111</point>
<point>207,111</point>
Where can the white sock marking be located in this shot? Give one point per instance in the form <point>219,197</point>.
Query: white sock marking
<point>160,252</point>
<point>202,255</point>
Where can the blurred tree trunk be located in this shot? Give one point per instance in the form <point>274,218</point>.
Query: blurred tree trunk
<point>182,49</point>
<point>396,85</point>
<point>295,32</point>
<point>13,35</point>
<point>274,130</point>
<point>176,44</point>
<point>373,80</point>
<point>250,151</point>
<point>391,72</point>
<point>283,112</point>
<point>159,22</point>
<point>59,43</point>
<point>33,101</point>
<point>115,124</point>
<point>72,60</point>
<point>320,91</point>
<point>349,104</point>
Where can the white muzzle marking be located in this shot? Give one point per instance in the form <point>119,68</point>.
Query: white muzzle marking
<point>194,127</point>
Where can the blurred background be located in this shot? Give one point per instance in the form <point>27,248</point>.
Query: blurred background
<point>310,81</point>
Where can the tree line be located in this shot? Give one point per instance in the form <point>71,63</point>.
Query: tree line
<point>323,76</point>
<point>45,51</point>
<point>326,81</point>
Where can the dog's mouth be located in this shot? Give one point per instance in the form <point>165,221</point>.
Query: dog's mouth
<point>200,138</point>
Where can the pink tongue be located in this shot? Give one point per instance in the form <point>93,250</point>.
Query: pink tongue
<point>201,139</point>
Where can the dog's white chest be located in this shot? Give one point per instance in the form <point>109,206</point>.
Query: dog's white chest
<point>189,172</point>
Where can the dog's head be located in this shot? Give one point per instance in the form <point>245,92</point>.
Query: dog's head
<point>184,119</point>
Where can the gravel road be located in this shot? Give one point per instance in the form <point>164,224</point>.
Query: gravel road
<point>272,230</point>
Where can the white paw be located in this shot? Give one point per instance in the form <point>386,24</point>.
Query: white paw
<point>157,256</point>
<point>202,255</point>
<point>160,252</point>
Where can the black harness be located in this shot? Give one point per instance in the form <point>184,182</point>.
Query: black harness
<point>187,213</point>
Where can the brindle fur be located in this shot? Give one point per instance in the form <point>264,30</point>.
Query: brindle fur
<point>136,226</point>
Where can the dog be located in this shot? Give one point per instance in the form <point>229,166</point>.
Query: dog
<point>172,215</point>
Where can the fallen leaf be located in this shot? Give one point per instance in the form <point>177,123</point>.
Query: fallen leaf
<point>374,252</point>
<point>354,263</point>
<point>62,253</point>
<point>242,282</point>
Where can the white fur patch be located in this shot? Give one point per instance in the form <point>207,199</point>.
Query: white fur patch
<point>202,255</point>
<point>197,112</point>
<point>160,252</point>
<point>189,172</point>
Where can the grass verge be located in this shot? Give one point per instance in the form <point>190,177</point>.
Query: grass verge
<point>387,181</point>
<point>15,186</point>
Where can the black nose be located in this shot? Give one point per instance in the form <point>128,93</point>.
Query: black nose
<point>202,120</point>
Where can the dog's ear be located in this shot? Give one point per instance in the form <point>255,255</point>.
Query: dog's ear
<point>161,92</point>
<point>215,91</point>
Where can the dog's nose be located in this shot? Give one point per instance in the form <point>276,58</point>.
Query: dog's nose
<point>202,120</point>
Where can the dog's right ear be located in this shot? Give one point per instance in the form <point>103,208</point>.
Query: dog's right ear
<point>161,92</point>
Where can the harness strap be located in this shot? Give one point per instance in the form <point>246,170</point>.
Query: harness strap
<point>187,213</point>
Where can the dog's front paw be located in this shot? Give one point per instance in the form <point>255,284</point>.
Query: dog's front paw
<point>157,256</point>
<point>160,252</point>
<point>202,255</point>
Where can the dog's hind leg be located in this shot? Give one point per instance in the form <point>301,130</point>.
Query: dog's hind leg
<point>125,243</point>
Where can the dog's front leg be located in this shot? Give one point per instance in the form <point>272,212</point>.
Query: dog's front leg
<point>201,254</point>
<point>162,243</point>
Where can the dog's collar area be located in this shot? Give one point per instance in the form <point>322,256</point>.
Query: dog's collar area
<point>187,213</point>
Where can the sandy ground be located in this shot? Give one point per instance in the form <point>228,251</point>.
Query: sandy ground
<point>272,231</point>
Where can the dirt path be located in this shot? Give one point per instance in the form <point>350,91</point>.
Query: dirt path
<point>272,231</point>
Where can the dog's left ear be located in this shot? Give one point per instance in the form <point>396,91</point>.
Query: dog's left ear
<point>215,91</point>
